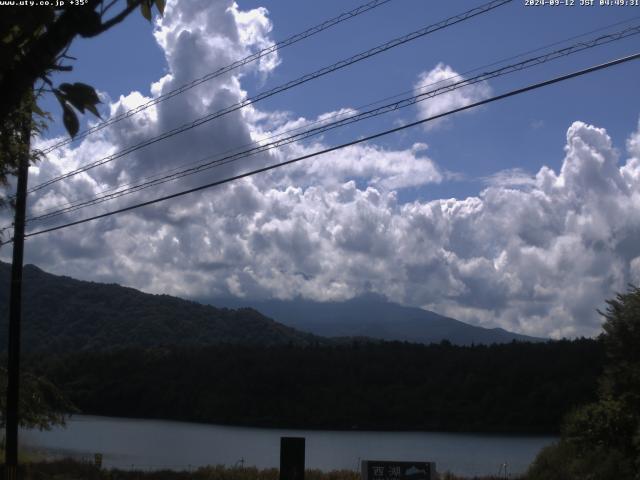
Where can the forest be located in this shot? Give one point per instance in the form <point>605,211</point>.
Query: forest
<point>62,314</point>
<point>509,388</point>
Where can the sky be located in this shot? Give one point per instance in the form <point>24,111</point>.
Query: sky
<point>522,214</point>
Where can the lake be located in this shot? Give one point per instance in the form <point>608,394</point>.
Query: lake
<point>155,444</point>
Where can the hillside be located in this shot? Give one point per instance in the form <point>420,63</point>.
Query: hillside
<point>62,314</point>
<point>375,317</point>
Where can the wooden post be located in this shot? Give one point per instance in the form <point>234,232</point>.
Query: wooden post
<point>292,458</point>
<point>15,309</point>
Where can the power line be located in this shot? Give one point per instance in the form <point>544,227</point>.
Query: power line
<point>511,93</point>
<point>281,88</point>
<point>228,68</point>
<point>305,78</point>
<point>65,206</point>
<point>390,107</point>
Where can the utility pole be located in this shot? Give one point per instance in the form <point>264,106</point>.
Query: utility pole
<point>15,303</point>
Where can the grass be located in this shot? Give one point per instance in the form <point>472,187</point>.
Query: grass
<point>23,457</point>
<point>68,469</point>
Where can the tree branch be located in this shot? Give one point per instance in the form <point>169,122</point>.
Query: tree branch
<point>62,68</point>
<point>44,51</point>
<point>117,19</point>
<point>106,9</point>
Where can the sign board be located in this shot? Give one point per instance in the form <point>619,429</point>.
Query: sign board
<point>385,470</point>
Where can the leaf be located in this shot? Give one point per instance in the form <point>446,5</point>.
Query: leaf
<point>82,91</point>
<point>94,110</point>
<point>75,103</point>
<point>81,96</point>
<point>145,9</point>
<point>12,34</point>
<point>160,5</point>
<point>70,120</point>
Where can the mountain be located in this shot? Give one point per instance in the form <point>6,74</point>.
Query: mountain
<point>61,314</point>
<point>373,316</point>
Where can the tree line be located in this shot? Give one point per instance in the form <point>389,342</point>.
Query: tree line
<point>517,387</point>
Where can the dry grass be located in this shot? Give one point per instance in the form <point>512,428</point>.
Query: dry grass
<point>74,470</point>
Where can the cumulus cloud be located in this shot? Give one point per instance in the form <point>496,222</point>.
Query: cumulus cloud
<point>535,253</point>
<point>441,76</point>
<point>511,177</point>
<point>538,260</point>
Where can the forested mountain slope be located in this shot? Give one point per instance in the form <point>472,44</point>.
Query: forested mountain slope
<point>61,314</point>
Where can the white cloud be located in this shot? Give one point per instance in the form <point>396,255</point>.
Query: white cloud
<point>539,260</point>
<point>379,167</point>
<point>634,270</point>
<point>441,76</point>
<point>512,177</point>
<point>532,253</point>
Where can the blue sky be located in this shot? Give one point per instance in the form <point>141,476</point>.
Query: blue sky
<point>522,214</point>
<point>128,58</point>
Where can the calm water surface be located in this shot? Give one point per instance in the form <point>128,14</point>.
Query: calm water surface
<point>153,444</point>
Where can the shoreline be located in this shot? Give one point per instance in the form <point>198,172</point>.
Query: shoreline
<point>268,426</point>
<point>124,444</point>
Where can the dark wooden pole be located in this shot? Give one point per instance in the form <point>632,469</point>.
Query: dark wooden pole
<point>15,308</point>
<point>292,458</point>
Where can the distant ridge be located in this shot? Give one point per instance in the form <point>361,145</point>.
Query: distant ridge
<point>373,316</point>
<point>62,314</point>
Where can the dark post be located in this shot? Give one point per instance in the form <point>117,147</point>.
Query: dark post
<point>292,458</point>
<point>15,307</point>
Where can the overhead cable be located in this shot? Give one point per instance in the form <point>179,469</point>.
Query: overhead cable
<point>281,88</point>
<point>228,68</point>
<point>327,126</point>
<point>353,110</point>
<point>511,93</point>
